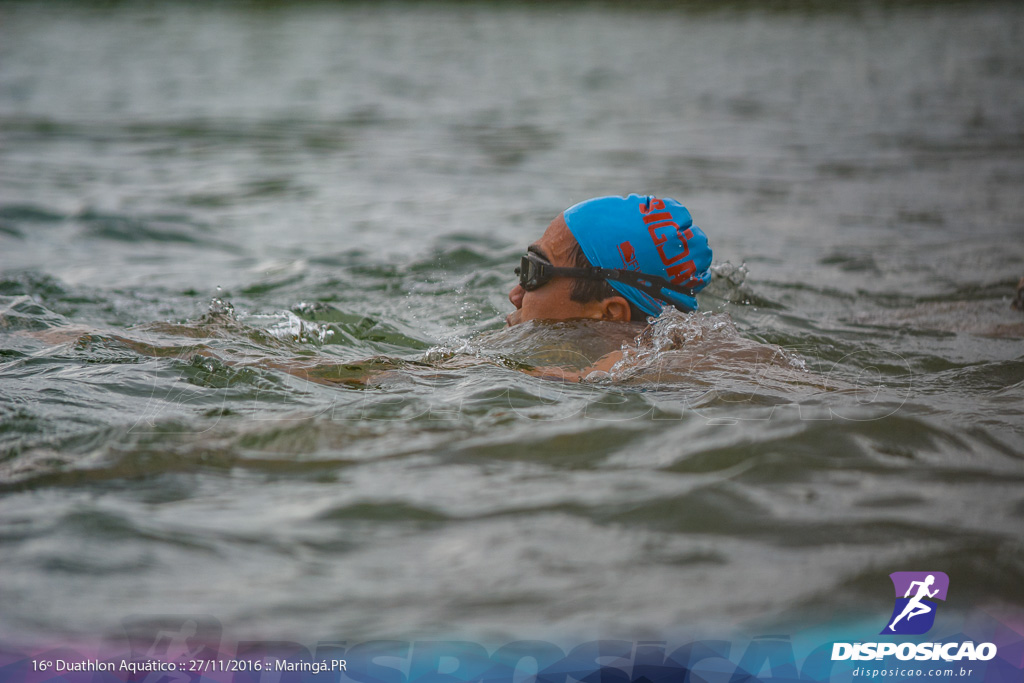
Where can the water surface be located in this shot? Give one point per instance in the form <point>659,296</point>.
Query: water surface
<point>254,261</point>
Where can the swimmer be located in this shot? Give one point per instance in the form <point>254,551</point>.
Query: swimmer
<point>613,259</point>
<point>616,259</point>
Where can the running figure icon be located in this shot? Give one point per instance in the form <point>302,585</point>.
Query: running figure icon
<point>919,591</point>
<point>915,607</point>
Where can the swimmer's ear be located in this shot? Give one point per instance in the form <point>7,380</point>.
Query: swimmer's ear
<point>615,309</point>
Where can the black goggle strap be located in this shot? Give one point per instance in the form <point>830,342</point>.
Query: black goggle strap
<point>649,284</point>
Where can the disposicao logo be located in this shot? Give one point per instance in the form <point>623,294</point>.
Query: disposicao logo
<point>912,615</point>
<point>914,612</point>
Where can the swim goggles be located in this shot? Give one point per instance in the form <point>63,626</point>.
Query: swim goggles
<point>534,272</point>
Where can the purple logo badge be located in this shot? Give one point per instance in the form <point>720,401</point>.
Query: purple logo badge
<point>914,612</point>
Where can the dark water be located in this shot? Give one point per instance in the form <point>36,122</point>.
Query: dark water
<point>216,222</point>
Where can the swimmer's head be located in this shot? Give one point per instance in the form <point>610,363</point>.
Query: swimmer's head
<point>613,258</point>
<point>647,235</point>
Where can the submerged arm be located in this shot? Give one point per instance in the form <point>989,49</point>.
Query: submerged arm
<point>603,364</point>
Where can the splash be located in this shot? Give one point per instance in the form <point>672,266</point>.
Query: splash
<point>287,326</point>
<point>220,308</point>
<point>731,274</point>
<point>697,347</point>
<point>729,284</point>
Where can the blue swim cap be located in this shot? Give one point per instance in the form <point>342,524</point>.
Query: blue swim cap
<point>648,235</point>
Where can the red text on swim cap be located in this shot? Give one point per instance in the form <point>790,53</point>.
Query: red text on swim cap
<point>661,226</point>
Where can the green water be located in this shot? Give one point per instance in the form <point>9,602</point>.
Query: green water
<point>254,265</point>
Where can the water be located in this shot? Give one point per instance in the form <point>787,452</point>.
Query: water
<point>254,261</point>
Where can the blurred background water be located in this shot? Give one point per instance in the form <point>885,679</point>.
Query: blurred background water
<point>197,197</point>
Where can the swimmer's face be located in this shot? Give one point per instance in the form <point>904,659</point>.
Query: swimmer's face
<point>551,300</point>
